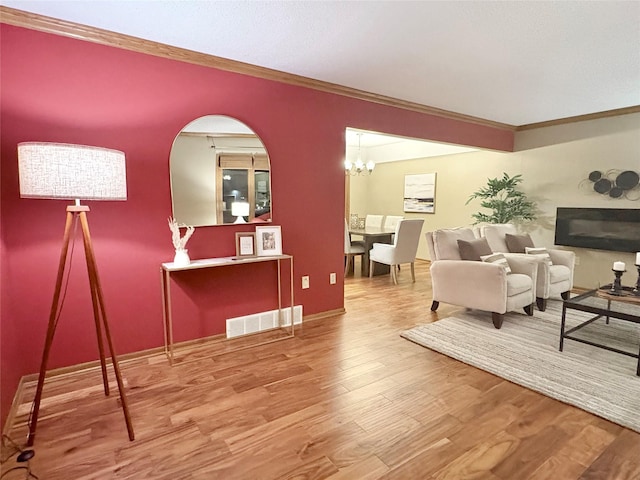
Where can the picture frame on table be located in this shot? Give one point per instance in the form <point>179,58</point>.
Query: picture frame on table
<point>245,244</point>
<point>268,240</point>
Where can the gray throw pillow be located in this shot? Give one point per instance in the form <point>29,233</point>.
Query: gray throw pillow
<point>518,243</point>
<point>474,249</point>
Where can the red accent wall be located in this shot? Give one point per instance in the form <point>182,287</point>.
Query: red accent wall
<point>64,90</point>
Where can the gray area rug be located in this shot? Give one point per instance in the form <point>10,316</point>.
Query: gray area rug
<point>525,351</point>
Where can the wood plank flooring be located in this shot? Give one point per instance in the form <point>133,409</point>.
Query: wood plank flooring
<point>347,398</point>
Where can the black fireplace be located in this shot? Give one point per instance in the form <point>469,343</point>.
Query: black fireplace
<point>616,229</point>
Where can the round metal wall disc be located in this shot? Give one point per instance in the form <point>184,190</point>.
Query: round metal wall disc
<point>602,186</point>
<point>627,180</point>
<point>595,176</point>
<point>615,192</point>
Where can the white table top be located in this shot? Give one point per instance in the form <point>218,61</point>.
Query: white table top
<point>372,231</point>
<point>221,262</point>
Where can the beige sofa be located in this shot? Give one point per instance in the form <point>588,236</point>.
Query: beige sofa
<point>476,284</point>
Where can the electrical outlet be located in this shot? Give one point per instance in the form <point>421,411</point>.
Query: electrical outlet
<point>577,260</point>
<point>332,278</point>
<point>305,281</point>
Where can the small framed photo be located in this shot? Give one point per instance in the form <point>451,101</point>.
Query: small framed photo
<point>268,241</point>
<point>245,244</point>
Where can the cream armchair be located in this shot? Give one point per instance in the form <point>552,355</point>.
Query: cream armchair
<point>554,280</point>
<point>476,284</point>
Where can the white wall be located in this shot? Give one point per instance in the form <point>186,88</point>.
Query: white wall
<point>555,163</point>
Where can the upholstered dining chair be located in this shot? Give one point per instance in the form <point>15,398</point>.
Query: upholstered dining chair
<point>373,221</point>
<point>555,271</point>
<point>403,249</point>
<point>481,285</point>
<point>390,221</point>
<point>352,249</point>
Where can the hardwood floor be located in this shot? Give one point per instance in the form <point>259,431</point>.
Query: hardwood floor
<point>347,398</point>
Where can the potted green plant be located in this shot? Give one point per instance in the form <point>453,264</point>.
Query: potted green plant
<point>507,204</point>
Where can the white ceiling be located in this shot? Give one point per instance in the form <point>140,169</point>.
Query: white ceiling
<point>515,62</point>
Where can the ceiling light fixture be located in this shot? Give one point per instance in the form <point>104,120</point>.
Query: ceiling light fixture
<point>359,167</point>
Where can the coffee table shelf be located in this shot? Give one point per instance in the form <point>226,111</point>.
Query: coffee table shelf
<point>601,304</point>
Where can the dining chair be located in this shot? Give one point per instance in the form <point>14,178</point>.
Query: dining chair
<point>390,221</point>
<point>373,221</point>
<point>403,249</point>
<point>352,249</point>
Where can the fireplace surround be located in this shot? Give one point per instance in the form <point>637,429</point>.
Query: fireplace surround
<point>614,229</point>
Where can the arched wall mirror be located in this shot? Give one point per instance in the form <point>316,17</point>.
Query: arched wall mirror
<point>220,173</point>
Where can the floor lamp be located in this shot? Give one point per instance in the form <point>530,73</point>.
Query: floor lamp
<point>63,171</point>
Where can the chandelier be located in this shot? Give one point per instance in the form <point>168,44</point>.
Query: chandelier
<point>359,167</point>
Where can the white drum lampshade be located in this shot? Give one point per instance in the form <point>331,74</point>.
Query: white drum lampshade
<point>65,171</point>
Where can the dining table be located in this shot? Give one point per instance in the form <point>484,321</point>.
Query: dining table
<point>370,236</point>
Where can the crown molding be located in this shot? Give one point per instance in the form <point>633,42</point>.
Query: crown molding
<point>580,118</point>
<point>55,26</point>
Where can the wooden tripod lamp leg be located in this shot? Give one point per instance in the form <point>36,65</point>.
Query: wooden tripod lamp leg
<point>96,290</point>
<point>91,270</point>
<point>51,330</point>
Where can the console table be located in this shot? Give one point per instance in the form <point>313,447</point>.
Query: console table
<point>168,268</point>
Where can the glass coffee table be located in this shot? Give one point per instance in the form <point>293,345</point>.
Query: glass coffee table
<point>601,303</point>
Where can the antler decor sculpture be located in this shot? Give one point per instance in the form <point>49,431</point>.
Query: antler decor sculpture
<point>179,243</point>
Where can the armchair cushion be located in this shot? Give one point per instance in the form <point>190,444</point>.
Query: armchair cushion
<point>524,275</point>
<point>474,249</point>
<point>495,232</point>
<point>518,243</point>
<point>518,283</point>
<point>445,246</point>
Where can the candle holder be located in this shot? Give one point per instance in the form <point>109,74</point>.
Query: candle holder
<point>636,291</point>
<point>616,286</point>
